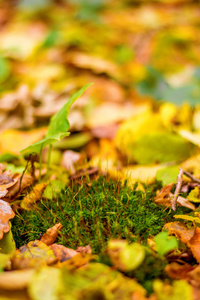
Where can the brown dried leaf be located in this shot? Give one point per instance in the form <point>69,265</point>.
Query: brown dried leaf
<point>86,249</point>
<point>32,255</point>
<point>4,187</point>
<point>194,244</point>
<point>180,230</point>
<point>189,236</point>
<point>164,197</point>
<point>19,186</point>
<point>177,271</point>
<point>34,196</point>
<point>6,213</point>
<point>62,253</point>
<point>51,234</point>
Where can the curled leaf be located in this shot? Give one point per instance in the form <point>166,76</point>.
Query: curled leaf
<point>50,235</point>
<point>34,196</point>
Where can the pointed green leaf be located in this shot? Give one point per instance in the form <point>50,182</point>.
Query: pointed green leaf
<point>58,127</point>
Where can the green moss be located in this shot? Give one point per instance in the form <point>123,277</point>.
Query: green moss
<point>94,212</point>
<point>151,268</point>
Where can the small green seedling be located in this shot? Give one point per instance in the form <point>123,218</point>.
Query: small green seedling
<point>57,130</point>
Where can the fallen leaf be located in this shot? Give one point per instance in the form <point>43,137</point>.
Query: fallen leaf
<point>35,195</point>
<point>6,213</point>
<point>145,174</point>
<point>4,187</point>
<point>164,197</point>
<point>125,257</point>
<point>20,184</point>
<point>62,253</point>
<point>189,236</point>
<point>97,64</point>
<point>165,243</point>
<point>111,112</point>
<point>5,261</point>
<point>86,249</point>
<point>180,230</point>
<point>191,136</point>
<point>77,261</point>
<point>15,280</point>
<point>194,195</point>
<point>46,284</point>
<point>194,244</point>
<point>32,255</point>
<point>50,235</point>
<point>13,140</point>
<point>7,243</point>
<point>178,271</point>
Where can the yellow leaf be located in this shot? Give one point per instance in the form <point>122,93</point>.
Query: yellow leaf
<point>190,136</point>
<point>188,218</point>
<point>13,141</point>
<point>145,174</point>
<point>34,196</point>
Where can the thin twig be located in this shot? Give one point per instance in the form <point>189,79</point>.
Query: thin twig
<point>191,177</point>
<point>179,184</point>
<point>178,188</point>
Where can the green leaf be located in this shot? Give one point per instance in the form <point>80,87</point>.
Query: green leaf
<point>165,243</point>
<point>167,175</point>
<point>159,147</point>
<point>4,69</point>
<point>7,157</point>
<point>58,127</point>
<point>7,244</point>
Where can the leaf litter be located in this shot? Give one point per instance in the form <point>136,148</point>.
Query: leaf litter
<point>113,183</point>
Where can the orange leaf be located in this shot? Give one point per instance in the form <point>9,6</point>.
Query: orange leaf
<point>180,230</point>
<point>6,213</point>
<point>62,253</point>
<point>34,196</point>
<point>194,244</point>
<point>50,235</point>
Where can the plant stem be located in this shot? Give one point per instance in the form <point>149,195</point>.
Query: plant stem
<point>40,170</point>
<point>49,158</point>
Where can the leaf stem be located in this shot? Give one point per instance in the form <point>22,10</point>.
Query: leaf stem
<point>49,158</point>
<point>40,169</point>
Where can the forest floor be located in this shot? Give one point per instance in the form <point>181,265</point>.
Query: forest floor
<point>99,150</point>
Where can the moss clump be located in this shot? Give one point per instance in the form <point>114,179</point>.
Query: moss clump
<point>151,268</point>
<point>94,213</point>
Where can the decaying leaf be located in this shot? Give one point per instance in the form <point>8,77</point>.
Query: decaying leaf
<point>32,255</point>
<point>86,249</point>
<point>178,271</point>
<point>164,197</point>
<point>21,182</point>
<point>189,236</point>
<point>50,235</point>
<point>180,230</point>
<point>63,253</point>
<point>35,195</point>
<point>194,244</point>
<point>6,213</point>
